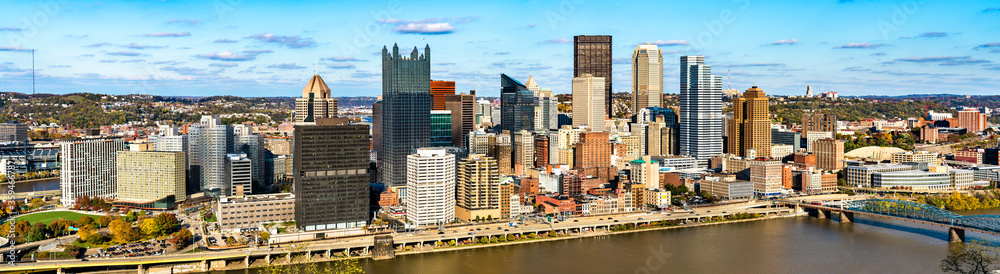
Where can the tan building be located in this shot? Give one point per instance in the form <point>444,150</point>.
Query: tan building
<point>147,179</point>
<point>818,122</point>
<point>633,146</point>
<point>654,139</point>
<point>588,102</point>
<point>524,151</point>
<point>750,127</point>
<point>829,154</point>
<point>766,177</point>
<point>315,102</point>
<point>645,171</point>
<point>915,157</point>
<point>478,187</point>
<point>279,145</point>
<point>249,212</point>
<point>647,77</point>
<point>592,156</point>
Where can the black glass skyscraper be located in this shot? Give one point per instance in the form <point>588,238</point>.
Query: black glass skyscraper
<point>592,55</point>
<point>406,110</point>
<point>517,105</point>
<point>331,175</point>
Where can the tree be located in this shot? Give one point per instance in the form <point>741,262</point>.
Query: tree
<point>37,202</point>
<point>103,221</point>
<point>97,239</point>
<point>264,236</point>
<point>166,222</point>
<point>972,257</point>
<point>38,232</point>
<point>124,232</point>
<point>85,220</point>
<point>149,227</point>
<point>182,238</point>
<point>85,231</point>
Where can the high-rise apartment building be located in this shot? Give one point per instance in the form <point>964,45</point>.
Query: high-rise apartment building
<point>816,121</point>
<point>211,140</point>
<point>645,171</point>
<point>592,156</point>
<point>700,110</point>
<point>406,110</point>
<point>430,187</point>
<point>316,102</point>
<point>592,55</point>
<point>647,77</point>
<point>252,145</point>
<point>517,105</point>
<point>750,127</point>
<point>829,154</point>
<point>150,179</point>
<point>89,168</point>
<point>440,90</point>
<point>239,175</point>
<point>479,194</point>
<point>588,102</point>
<point>331,175</point>
<point>463,121</point>
<point>971,119</point>
<point>524,151</point>
<point>441,128</point>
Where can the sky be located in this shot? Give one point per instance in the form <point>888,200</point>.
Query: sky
<point>272,48</point>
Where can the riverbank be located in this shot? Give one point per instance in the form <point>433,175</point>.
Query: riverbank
<point>472,246</point>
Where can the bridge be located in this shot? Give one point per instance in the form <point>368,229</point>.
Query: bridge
<point>908,211</point>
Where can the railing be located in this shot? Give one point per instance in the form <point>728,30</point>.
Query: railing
<point>923,212</point>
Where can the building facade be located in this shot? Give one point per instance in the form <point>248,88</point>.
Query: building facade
<point>316,102</point>
<point>440,90</point>
<point>463,121</point>
<point>517,105</point>
<point>647,77</point>
<point>89,168</point>
<point>430,187</point>
<point>829,154</point>
<point>406,110</point>
<point>700,110</point>
<point>331,175</point>
<point>592,55</point>
<point>239,175</point>
<point>588,102</point>
<point>479,190</point>
<point>144,177</point>
<point>750,127</point>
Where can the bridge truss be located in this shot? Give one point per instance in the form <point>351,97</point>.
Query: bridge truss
<point>924,212</point>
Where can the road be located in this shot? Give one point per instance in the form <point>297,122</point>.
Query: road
<point>357,243</point>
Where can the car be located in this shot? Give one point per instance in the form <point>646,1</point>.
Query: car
<point>471,233</point>
<point>616,221</point>
<point>601,219</point>
<point>640,219</point>
<point>576,221</point>
<point>724,212</point>
<point>506,230</point>
<point>440,232</point>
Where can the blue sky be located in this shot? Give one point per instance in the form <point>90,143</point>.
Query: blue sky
<point>244,48</point>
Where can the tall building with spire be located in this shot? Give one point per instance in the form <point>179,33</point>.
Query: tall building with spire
<point>531,85</point>
<point>750,127</point>
<point>315,102</point>
<point>406,110</point>
<point>592,55</point>
<point>647,77</point>
<point>700,110</point>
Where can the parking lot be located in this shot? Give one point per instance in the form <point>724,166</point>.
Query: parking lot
<point>140,249</point>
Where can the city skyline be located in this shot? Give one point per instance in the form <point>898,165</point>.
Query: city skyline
<point>222,48</point>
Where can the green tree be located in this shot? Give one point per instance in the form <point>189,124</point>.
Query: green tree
<point>85,220</point>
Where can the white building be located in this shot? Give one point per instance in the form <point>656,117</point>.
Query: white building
<point>657,197</point>
<point>430,183</point>
<point>89,169</point>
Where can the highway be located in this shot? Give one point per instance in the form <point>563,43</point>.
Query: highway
<point>408,239</point>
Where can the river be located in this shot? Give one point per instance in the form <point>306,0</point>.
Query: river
<point>37,185</point>
<point>789,245</point>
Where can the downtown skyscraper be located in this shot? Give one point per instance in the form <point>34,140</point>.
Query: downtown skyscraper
<point>750,127</point>
<point>406,110</point>
<point>592,55</point>
<point>331,175</point>
<point>701,110</point>
<point>647,77</point>
<point>517,105</point>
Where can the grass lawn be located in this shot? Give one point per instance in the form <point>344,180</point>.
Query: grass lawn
<point>47,217</point>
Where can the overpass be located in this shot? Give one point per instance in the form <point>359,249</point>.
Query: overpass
<point>362,247</point>
<point>907,211</point>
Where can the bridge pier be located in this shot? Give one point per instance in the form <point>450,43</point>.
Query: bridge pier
<point>267,259</point>
<point>846,217</point>
<point>956,235</point>
<point>204,265</point>
<point>59,271</point>
<point>246,261</point>
<point>142,269</point>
